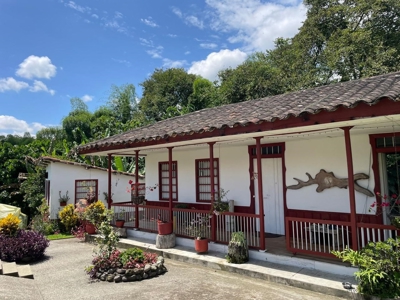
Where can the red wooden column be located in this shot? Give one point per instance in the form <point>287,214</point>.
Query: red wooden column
<point>212,183</point>
<point>109,182</point>
<point>170,183</point>
<point>260,193</point>
<point>352,197</point>
<point>136,187</point>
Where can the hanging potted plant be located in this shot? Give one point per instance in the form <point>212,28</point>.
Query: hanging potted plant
<point>138,192</point>
<point>63,199</point>
<point>199,228</point>
<point>164,227</point>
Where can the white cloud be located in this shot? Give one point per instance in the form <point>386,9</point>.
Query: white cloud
<point>12,125</point>
<point>172,35</point>
<point>95,16</point>
<point>177,11</point>
<point>10,84</point>
<point>208,45</point>
<point>217,61</point>
<point>73,5</point>
<point>168,63</point>
<point>37,67</point>
<point>194,21</point>
<point>118,15</point>
<point>187,52</point>
<point>155,52</point>
<point>39,86</point>
<point>149,22</point>
<point>87,98</point>
<point>257,24</point>
<point>86,21</point>
<point>122,61</point>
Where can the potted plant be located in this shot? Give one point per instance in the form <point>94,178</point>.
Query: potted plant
<point>63,198</point>
<point>199,228</point>
<point>138,192</point>
<point>120,221</point>
<point>164,227</point>
<point>94,214</point>
<point>220,205</point>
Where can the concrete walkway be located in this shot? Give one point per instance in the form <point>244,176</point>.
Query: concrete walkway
<point>296,276</point>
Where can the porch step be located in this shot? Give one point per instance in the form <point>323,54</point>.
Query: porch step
<point>10,269</point>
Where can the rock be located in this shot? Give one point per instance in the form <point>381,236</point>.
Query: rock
<point>117,278</point>
<point>103,277</point>
<point>119,265</point>
<point>132,278</point>
<point>153,274</point>
<point>137,271</point>
<point>238,252</point>
<point>121,271</point>
<point>139,277</point>
<point>145,275</point>
<point>165,241</point>
<point>153,268</point>
<point>160,259</point>
<point>147,268</point>
<point>110,278</point>
<point>124,279</point>
<point>159,271</point>
<point>98,274</point>
<point>129,272</point>
<point>163,269</point>
<point>111,271</point>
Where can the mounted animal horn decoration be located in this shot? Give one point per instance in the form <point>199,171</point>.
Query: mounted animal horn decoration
<point>326,180</point>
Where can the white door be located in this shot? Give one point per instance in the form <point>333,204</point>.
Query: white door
<point>274,219</point>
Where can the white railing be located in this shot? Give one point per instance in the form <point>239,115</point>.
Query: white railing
<point>228,223</point>
<point>375,233</point>
<point>125,211</point>
<point>317,236</point>
<point>185,220</point>
<point>148,216</point>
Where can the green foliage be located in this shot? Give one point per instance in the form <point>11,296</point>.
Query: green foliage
<point>68,217</point>
<point>238,252</point>
<point>379,269</point>
<point>41,222</point>
<point>108,238</point>
<point>131,254</point>
<point>95,213</point>
<point>9,225</point>
<point>33,189</point>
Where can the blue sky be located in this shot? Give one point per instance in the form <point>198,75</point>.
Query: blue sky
<point>52,50</point>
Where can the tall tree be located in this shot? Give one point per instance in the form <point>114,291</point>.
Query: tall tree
<point>164,89</point>
<point>122,101</point>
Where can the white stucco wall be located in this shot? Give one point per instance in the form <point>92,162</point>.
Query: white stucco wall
<point>233,166</point>
<point>330,154</point>
<point>62,178</point>
<point>301,156</point>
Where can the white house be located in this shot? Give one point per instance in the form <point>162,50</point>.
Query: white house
<point>258,148</point>
<point>77,179</point>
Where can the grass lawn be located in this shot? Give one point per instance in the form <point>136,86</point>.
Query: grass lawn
<point>59,236</point>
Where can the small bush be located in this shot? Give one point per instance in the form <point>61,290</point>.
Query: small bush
<point>379,273</point>
<point>95,213</point>
<point>136,258</point>
<point>25,244</point>
<point>68,217</point>
<point>131,254</point>
<point>9,225</point>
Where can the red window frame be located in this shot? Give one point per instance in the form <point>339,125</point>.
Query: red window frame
<point>203,180</point>
<point>81,189</point>
<point>163,180</point>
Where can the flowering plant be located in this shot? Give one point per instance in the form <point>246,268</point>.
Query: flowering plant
<point>141,188</point>
<point>220,205</point>
<point>390,205</point>
<point>199,227</point>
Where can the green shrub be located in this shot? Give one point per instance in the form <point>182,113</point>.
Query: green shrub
<point>131,254</point>
<point>379,268</point>
<point>9,225</point>
<point>68,217</point>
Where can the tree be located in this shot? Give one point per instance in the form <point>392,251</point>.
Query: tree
<point>77,124</point>
<point>165,88</point>
<point>122,102</point>
<point>205,94</point>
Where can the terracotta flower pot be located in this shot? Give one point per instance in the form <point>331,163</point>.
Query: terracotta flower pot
<point>201,246</point>
<point>164,228</point>
<point>120,223</point>
<point>90,229</point>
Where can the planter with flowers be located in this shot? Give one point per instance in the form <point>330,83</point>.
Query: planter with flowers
<point>63,199</point>
<point>138,192</point>
<point>221,204</point>
<point>120,221</point>
<point>390,206</point>
<point>199,228</point>
<point>94,214</point>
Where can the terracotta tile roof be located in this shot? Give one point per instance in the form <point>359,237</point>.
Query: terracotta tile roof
<point>45,160</point>
<point>270,109</point>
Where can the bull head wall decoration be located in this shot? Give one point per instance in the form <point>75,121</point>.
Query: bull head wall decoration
<point>327,180</point>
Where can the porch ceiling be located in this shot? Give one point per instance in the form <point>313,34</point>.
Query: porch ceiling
<point>361,126</point>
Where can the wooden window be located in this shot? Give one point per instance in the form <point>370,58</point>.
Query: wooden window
<point>47,191</point>
<point>85,186</point>
<point>163,183</point>
<point>203,180</point>
<point>266,151</point>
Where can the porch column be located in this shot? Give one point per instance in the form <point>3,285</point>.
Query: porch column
<point>260,193</point>
<point>136,187</point>
<point>352,197</point>
<point>109,182</point>
<point>212,183</point>
<point>170,183</point>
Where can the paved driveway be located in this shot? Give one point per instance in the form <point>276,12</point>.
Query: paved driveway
<point>61,276</point>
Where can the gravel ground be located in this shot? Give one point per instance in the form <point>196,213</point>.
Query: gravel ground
<point>61,276</point>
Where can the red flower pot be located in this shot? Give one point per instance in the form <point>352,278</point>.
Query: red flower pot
<point>164,228</point>
<point>90,229</point>
<point>119,223</point>
<point>63,203</point>
<point>201,246</point>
